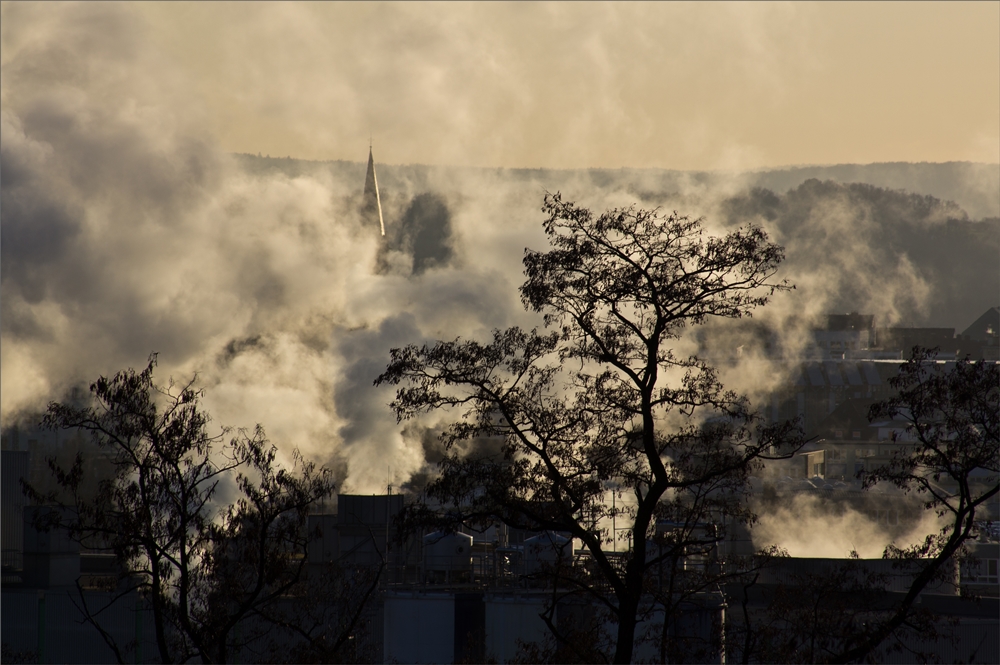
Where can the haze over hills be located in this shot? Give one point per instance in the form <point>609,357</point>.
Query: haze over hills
<point>263,276</point>
<point>975,187</point>
<point>927,236</point>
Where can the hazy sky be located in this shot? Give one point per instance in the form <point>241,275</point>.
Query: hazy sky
<point>674,85</point>
<point>127,228</point>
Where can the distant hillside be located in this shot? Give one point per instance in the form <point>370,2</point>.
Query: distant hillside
<point>974,187</point>
<point>915,244</point>
<point>868,238</point>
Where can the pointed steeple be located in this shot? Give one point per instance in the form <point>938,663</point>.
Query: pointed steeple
<point>372,201</point>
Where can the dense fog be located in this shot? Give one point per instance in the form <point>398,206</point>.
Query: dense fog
<point>128,230</point>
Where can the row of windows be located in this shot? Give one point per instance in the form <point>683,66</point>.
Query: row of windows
<point>983,572</point>
<point>836,454</point>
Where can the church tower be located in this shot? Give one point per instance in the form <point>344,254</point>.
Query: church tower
<point>372,203</point>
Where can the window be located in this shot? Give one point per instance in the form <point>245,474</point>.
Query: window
<point>982,572</point>
<point>856,434</point>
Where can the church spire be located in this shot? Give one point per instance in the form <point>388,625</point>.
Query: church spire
<point>372,201</point>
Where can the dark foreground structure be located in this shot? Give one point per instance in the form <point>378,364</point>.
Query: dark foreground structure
<point>476,597</point>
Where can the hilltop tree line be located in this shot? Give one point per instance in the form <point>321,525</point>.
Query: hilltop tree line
<point>876,228</point>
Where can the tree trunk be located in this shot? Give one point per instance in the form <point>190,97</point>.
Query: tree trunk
<point>627,611</point>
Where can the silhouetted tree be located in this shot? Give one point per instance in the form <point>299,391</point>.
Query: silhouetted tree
<point>950,457</point>
<point>599,405</point>
<point>202,561</point>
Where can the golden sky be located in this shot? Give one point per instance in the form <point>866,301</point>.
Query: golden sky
<point>673,85</point>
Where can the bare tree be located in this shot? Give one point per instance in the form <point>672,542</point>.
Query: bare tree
<point>203,562</point>
<point>950,457</point>
<point>599,405</point>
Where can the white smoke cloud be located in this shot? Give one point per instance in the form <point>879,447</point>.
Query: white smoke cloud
<point>808,526</point>
<point>126,229</point>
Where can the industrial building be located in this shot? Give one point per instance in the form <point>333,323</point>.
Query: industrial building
<point>446,597</point>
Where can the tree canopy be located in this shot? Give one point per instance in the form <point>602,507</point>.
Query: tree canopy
<point>202,561</point>
<point>597,404</point>
<point>950,457</point>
